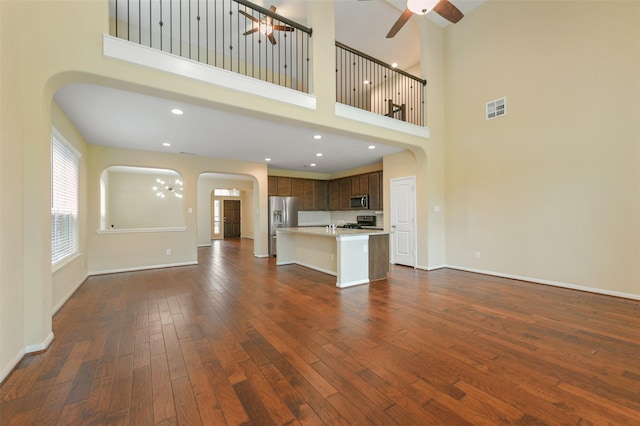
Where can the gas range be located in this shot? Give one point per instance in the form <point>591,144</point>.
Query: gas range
<point>361,221</point>
<point>351,226</point>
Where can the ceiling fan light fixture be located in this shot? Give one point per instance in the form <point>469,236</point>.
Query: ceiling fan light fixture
<point>265,28</point>
<point>421,7</point>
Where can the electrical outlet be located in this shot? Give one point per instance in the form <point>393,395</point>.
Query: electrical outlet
<point>168,252</point>
<point>477,254</point>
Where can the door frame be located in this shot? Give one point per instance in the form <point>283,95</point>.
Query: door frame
<point>414,214</point>
<point>222,200</point>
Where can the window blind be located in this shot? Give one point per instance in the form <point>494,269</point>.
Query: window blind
<point>64,199</point>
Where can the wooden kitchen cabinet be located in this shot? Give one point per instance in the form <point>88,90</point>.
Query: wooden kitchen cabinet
<point>308,194</point>
<point>375,190</point>
<point>284,186</point>
<point>345,193</point>
<point>355,186</point>
<point>316,195</point>
<point>334,195</point>
<point>273,185</point>
<point>321,195</point>
<point>304,190</point>
<point>297,190</point>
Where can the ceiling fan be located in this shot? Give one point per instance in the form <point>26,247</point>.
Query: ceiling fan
<point>421,7</point>
<point>265,25</point>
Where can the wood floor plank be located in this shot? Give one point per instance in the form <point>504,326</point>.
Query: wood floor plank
<point>162,393</point>
<point>121,388</point>
<point>186,407</point>
<point>239,340</point>
<point>142,402</point>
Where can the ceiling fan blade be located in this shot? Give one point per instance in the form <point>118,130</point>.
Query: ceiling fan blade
<point>448,11</point>
<point>400,23</point>
<point>253,18</point>
<point>282,28</point>
<point>271,38</point>
<point>251,31</point>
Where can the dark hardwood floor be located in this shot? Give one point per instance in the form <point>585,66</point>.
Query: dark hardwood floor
<point>238,340</point>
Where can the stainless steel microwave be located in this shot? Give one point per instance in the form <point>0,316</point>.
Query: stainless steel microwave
<point>359,202</point>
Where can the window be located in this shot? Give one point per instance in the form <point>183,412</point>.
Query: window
<point>226,192</point>
<point>216,217</point>
<point>64,199</point>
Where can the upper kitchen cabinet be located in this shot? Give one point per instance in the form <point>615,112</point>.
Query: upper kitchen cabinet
<point>345,193</point>
<point>304,190</point>
<point>375,190</point>
<point>273,185</point>
<point>279,186</point>
<point>314,195</point>
<point>284,186</point>
<point>321,195</point>
<point>334,195</point>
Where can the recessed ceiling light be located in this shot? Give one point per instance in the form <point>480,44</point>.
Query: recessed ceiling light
<point>177,111</point>
<point>372,147</point>
<point>312,164</point>
<point>394,65</point>
<point>317,137</point>
<point>267,159</point>
<point>367,82</point>
<point>319,154</point>
<point>166,144</point>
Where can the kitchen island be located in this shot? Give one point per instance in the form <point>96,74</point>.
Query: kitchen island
<point>354,256</point>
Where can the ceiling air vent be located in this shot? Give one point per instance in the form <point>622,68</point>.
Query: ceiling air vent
<point>496,108</point>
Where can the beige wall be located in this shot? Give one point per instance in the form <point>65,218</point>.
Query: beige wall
<point>132,202</point>
<point>551,191</point>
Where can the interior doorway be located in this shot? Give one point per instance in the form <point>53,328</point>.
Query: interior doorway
<point>403,221</point>
<point>231,218</point>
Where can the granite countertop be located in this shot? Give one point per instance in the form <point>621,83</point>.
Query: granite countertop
<point>323,231</point>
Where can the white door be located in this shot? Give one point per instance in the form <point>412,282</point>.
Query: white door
<point>403,221</point>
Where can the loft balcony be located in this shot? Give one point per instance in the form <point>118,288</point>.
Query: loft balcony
<point>239,37</point>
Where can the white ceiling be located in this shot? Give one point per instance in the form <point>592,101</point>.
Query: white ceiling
<point>111,117</point>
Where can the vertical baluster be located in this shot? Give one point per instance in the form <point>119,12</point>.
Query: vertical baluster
<point>238,33</point>
<point>161,24</point>
<point>245,49</point>
<point>206,26</point>
<point>215,33</point>
<point>230,36</point>
<point>224,43</point>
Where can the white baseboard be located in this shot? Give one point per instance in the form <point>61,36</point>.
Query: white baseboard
<point>260,256</point>
<point>40,346</point>
<point>548,282</point>
<point>433,268</point>
<point>142,268</point>
<point>18,357</point>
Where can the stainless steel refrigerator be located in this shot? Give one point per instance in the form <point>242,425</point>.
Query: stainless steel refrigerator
<point>283,213</point>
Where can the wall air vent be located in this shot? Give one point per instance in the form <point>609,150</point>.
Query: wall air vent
<point>496,108</point>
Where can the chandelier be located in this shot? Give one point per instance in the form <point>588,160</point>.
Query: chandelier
<point>167,188</point>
